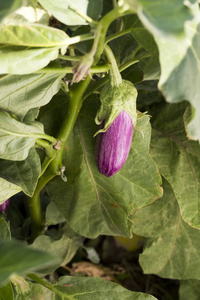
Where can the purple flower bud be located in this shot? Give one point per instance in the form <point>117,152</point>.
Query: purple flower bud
<point>4,205</point>
<point>114,145</point>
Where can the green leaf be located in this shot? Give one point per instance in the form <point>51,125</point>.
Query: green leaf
<point>179,51</point>
<point>92,203</point>
<point>157,15</point>
<point>178,159</point>
<point>4,230</point>
<point>78,288</point>
<point>63,249</point>
<point>7,7</point>
<point>152,65</point>
<point>23,60</point>
<point>7,190</point>
<point>53,215</point>
<point>189,289</point>
<point>17,258</point>
<point>94,9</point>
<point>19,94</point>
<point>22,173</point>
<point>29,12</point>
<point>33,35</point>
<point>6,292</point>
<point>60,9</point>
<point>17,138</point>
<point>173,247</point>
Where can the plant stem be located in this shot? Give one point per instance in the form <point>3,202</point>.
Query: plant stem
<point>117,35</point>
<point>69,70</point>
<point>115,76</point>
<point>75,103</point>
<point>74,106</point>
<point>40,281</point>
<point>98,84</point>
<point>102,28</point>
<point>81,38</point>
<point>69,57</point>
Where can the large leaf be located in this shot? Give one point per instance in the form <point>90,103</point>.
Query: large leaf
<point>168,16</point>
<point>189,289</point>
<point>23,173</point>
<point>20,259</point>
<point>16,138</point>
<point>173,247</point>
<point>178,159</point>
<point>92,203</point>
<point>19,94</point>
<point>7,190</point>
<point>33,35</point>
<point>60,9</point>
<point>23,60</point>
<point>179,51</point>
<point>78,288</point>
<point>7,7</point>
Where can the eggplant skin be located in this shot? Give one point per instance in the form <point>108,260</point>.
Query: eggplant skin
<point>4,205</point>
<point>114,145</point>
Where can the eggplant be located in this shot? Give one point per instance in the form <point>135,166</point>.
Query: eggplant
<point>114,145</point>
<point>4,205</point>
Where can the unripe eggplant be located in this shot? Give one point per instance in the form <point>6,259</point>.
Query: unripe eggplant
<point>114,145</point>
<point>4,205</point>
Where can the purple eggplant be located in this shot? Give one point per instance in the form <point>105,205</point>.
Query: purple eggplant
<point>4,205</point>
<point>114,145</point>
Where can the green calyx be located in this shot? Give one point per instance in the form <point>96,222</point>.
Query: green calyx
<point>114,99</point>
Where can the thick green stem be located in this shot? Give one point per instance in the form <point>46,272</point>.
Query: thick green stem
<point>102,27</point>
<point>75,103</point>
<point>74,106</point>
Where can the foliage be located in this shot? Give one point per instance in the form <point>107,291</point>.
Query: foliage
<point>64,65</point>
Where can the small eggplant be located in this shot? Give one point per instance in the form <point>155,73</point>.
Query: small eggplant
<point>114,145</point>
<point>4,205</point>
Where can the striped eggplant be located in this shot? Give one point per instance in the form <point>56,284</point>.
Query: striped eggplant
<point>114,144</point>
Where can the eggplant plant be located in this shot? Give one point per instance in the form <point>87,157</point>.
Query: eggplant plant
<point>99,138</point>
